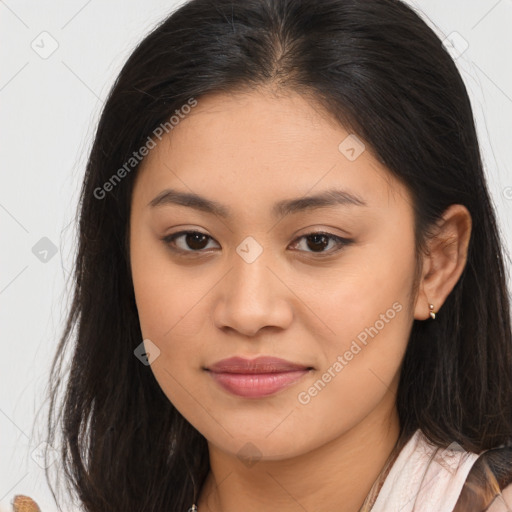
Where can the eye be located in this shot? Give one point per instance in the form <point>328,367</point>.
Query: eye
<point>318,241</point>
<point>192,239</point>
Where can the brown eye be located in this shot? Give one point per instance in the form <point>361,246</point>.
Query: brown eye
<point>195,241</point>
<point>317,242</point>
<point>191,241</point>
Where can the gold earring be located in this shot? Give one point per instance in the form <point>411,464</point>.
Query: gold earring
<point>432,312</point>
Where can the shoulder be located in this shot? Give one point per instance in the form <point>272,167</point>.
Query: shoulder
<point>507,495</point>
<point>488,486</point>
<point>502,503</point>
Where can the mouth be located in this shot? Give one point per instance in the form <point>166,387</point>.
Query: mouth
<point>258,377</point>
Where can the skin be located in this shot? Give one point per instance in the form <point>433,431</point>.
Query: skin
<point>248,151</point>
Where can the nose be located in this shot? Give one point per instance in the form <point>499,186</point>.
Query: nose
<point>252,296</point>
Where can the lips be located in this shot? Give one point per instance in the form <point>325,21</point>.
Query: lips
<point>260,365</point>
<point>256,378</point>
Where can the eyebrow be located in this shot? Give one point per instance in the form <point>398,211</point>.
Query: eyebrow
<point>327,199</point>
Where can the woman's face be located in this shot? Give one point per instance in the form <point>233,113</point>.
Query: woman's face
<point>254,280</point>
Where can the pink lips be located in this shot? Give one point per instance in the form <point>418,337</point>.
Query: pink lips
<point>258,377</point>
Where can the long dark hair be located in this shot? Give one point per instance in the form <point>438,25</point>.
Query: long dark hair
<point>377,68</point>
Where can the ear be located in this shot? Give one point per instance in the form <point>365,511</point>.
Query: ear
<point>444,260</point>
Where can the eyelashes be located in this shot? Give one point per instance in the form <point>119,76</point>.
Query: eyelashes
<point>196,241</point>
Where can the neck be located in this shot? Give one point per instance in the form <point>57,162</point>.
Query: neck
<point>341,471</point>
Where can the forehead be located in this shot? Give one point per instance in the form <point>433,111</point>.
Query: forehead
<point>256,144</point>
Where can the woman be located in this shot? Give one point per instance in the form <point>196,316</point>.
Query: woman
<point>290,286</point>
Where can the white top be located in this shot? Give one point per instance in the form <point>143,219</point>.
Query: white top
<point>425,478</point>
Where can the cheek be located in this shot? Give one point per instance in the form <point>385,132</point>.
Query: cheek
<point>171,302</point>
<point>367,318</point>
<point>167,301</point>
<point>368,288</point>
<point>165,293</point>
<point>369,326</point>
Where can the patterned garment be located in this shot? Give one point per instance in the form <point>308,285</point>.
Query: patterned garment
<point>427,478</point>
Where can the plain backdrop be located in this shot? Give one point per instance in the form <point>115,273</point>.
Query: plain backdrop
<point>58,61</point>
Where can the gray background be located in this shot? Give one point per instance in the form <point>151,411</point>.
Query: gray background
<point>50,104</point>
